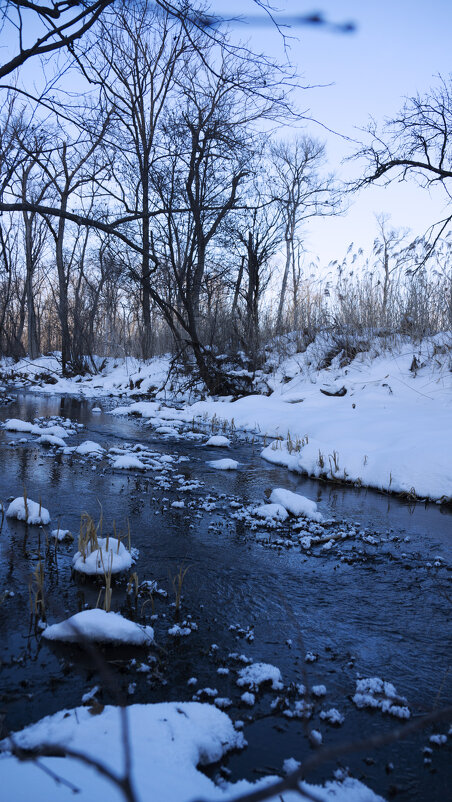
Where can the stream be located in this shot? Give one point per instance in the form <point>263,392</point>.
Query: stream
<point>373,604</point>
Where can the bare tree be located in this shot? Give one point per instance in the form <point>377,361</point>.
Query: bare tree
<point>138,59</point>
<point>301,192</point>
<point>59,24</point>
<point>416,143</point>
<point>210,141</point>
<point>259,231</point>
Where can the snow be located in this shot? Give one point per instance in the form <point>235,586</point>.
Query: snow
<point>272,511</point>
<point>129,462</point>
<point>61,534</point>
<point>34,513</point>
<point>218,440</point>
<point>332,716</point>
<point>109,555</point>
<point>438,739</point>
<point>17,425</point>
<point>163,737</point>
<point>295,503</point>
<point>99,626</point>
<point>391,430</point>
<point>88,447</point>
<point>375,693</point>
<point>224,464</point>
<point>51,440</point>
<point>256,674</point>
<point>315,737</point>
<point>177,631</point>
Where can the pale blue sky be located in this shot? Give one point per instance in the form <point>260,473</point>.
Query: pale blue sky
<point>397,50</point>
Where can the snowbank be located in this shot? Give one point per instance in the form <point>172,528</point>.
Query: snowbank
<point>380,419</point>
<point>168,742</point>
<point>99,626</point>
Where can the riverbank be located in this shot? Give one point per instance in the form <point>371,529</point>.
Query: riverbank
<point>376,414</point>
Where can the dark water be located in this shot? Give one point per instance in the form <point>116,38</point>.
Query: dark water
<point>383,612</point>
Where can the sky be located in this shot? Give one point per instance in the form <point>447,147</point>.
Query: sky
<point>398,48</point>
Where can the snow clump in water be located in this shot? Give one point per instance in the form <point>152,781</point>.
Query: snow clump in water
<point>29,511</point>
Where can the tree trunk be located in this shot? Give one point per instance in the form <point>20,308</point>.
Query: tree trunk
<point>32,331</point>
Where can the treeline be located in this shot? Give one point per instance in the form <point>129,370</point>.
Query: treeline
<point>156,206</point>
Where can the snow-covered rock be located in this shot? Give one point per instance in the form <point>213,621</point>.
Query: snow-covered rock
<point>218,440</point>
<point>89,448</point>
<point>295,503</point>
<point>61,534</point>
<point>129,462</point>
<point>272,512</point>
<point>50,440</point>
<point>224,464</point>
<point>256,674</point>
<point>99,626</point>
<point>29,511</point>
<point>109,555</point>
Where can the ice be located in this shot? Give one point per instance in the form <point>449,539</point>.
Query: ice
<point>295,504</point>
<point>29,511</point>
<point>109,555</point>
<point>99,626</point>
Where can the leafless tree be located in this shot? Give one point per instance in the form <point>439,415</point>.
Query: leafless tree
<point>301,192</point>
<point>136,63</point>
<point>417,143</point>
<point>210,141</point>
<point>56,25</point>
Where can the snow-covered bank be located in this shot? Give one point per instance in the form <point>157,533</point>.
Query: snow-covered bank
<point>380,417</point>
<point>388,426</point>
<point>162,736</point>
<point>116,377</point>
